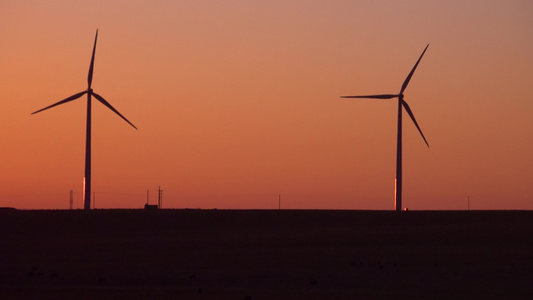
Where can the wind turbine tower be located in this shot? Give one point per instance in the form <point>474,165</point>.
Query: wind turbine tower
<point>89,92</point>
<point>401,103</point>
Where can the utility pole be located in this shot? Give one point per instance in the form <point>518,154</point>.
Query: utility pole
<point>94,201</point>
<point>71,199</point>
<point>160,198</point>
<point>468,202</point>
<point>279,201</point>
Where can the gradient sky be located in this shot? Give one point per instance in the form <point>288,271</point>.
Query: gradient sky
<point>238,101</point>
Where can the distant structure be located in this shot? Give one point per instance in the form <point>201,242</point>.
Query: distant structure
<point>89,92</point>
<point>401,103</point>
<point>149,206</point>
<point>160,198</point>
<point>71,200</point>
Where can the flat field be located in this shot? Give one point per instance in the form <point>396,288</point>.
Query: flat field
<point>265,254</point>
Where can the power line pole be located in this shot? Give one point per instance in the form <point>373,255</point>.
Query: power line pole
<point>71,199</point>
<point>160,198</point>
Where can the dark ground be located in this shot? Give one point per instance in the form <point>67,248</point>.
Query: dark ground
<point>288,254</point>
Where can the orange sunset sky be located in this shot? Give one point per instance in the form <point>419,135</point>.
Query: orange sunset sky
<point>238,101</point>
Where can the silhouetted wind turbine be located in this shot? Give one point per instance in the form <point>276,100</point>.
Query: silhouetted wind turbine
<point>401,103</point>
<point>89,92</point>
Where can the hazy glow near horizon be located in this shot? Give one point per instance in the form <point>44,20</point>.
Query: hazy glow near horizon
<point>238,101</point>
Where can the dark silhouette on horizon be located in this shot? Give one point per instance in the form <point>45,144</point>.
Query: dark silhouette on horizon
<point>401,103</point>
<point>89,92</point>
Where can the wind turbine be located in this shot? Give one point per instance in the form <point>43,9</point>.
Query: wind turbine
<point>89,92</point>
<point>401,103</point>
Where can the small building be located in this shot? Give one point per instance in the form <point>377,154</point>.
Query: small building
<point>151,206</point>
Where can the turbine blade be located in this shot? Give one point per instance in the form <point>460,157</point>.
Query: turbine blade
<point>104,102</point>
<point>408,109</point>
<point>406,82</point>
<point>385,96</point>
<point>73,97</point>
<point>90,76</point>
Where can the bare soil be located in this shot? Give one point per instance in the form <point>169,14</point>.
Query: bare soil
<point>265,254</point>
